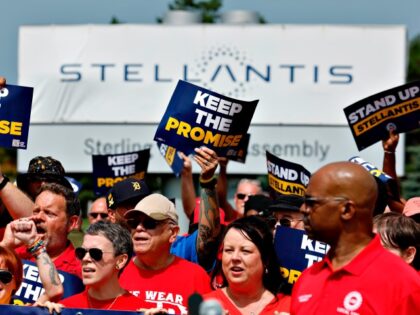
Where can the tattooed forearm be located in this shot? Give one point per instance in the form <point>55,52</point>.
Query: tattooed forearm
<point>52,272</point>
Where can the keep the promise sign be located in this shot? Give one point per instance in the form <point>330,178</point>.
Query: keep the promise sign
<point>111,169</point>
<point>15,114</point>
<point>296,251</point>
<point>196,116</point>
<point>372,118</point>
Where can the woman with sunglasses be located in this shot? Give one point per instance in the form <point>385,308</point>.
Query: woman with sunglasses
<point>251,279</point>
<point>11,272</point>
<point>105,252</point>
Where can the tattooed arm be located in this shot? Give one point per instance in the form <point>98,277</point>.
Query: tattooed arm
<point>209,219</point>
<point>24,230</point>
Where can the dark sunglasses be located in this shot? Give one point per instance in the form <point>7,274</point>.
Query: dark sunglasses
<point>272,221</point>
<point>95,253</point>
<point>242,196</point>
<point>147,223</point>
<point>95,215</point>
<point>5,276</point>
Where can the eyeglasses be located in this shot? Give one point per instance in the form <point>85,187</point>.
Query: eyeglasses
<point>96,214</point>
<point>311,202</point>
<point>147,223</point>
<point>288,221</point>
<point>272,221</point>
<point>5,276</point>
<point>95,253</point>
<point>242,196</point>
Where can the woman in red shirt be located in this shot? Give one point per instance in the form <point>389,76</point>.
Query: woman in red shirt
<point>250,274</point>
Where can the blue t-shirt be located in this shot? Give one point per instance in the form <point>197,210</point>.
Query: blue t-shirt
<point>186,247</point>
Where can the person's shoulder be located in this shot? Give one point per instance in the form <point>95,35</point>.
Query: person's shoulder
<point>397,267</point>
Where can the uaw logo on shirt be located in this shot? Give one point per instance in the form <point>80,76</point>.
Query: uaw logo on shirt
<point>352,302</point>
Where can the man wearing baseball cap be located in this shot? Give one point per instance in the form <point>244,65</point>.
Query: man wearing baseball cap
<point>123,196</point>
<point>155,275</point>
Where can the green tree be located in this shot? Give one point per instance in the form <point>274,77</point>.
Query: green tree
<point>207,8</point>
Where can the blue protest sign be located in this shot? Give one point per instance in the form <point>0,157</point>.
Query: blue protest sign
<point>111,169</point>
<point>31,288</point>
<point>196,116</point>
<point>15,114</point>
<point>35,310</point>
<point>372,118</point>
<point>171,157</point>
<point>296,251</point>
<point>286,178</point>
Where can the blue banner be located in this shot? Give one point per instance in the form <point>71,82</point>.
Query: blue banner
<point>111,169</point>
<point>196,116</point>
<point>372,118</point>
<point>15,114</point>
<point>35,310</point>
<point>296,251</point>
<point>286,178</point>
<point>31,288</point>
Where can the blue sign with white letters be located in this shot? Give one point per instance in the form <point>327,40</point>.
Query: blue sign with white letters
<point>196,116</point>
<point>31,288</point>
<point>15,113</point>
<point>296,251</point>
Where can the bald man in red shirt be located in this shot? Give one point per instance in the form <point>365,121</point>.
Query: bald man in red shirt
<point>357,276</point>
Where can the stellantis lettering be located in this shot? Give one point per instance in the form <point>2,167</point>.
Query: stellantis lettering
<point>277,73</point>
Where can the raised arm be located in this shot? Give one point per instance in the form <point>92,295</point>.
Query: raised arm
<point>222,191</point>
<point>390,145</point>
<point>209,219</point>
<point>187,187</point>
<point>25,231</point>
<point>16,202</point>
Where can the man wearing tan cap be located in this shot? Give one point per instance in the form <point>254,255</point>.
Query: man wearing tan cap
<point>158,277</point>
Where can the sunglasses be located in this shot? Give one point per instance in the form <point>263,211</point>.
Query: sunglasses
<point>242,196</point>
<point>147,223</point>
<point>95,253</point>
<point>5,276</point>
<point>95,215</point>
<point>272,221</point>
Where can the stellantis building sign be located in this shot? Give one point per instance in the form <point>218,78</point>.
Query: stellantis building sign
<point>117,74</point>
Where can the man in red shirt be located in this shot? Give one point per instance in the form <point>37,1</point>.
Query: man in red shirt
<point>358,276</point>
<point>56,213</point>
<point>158,277</point>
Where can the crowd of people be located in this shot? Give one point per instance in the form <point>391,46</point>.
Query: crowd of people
<point>132,256</point>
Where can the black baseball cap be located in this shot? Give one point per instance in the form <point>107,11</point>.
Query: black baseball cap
<point>129,190</point>
<point>43,168</point>
<point>287,203</point>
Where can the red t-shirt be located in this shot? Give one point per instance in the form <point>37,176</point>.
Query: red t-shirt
<point>280,304</point>
<point>125,302</point>
<point>374,282</point>
<point>66,261</point>
<point>167,288</point>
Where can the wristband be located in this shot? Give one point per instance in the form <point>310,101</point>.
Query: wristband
<point>389,152</point>
<point>4,182</point>
<point>208,183</point>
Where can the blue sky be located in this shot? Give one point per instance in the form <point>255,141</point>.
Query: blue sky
<point>43,12</point>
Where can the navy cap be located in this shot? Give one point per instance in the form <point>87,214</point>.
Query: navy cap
<point>129,190</point>
<point>287,203</point>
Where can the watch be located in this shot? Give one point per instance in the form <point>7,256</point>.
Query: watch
<point>4,182</point>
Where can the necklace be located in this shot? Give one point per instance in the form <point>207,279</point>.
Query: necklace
<point>110,305</point>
